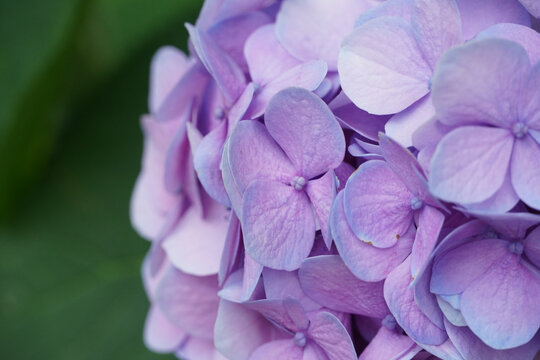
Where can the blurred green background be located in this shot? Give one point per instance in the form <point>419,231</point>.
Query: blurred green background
<point>73,84</point>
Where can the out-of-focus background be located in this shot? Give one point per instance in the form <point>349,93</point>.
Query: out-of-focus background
<point>73,84</point>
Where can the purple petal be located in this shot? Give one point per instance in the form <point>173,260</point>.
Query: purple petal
<point>151,203</point>
<point>196,244</point>
<point>389,345</point>
<point>502,201</point>
<point>329,333</point>
<point>365,261</point>
<point>305,128</point>
<point>532,6</point>
<point>189,302</point>
<point>532,246</point>
<point>298,27</point>
<point>437,25</point>
<point>278,224</point>
<point>398,8</point>
<point>446,350</point>
<point>231,34</point>
<point>470,164</point>
<point>189,89</point>
<point>238,111</point>
<point>523,35</point>
<point>321,193</point>
<point>279,284</point>
<point>377,204</point>
<point>253,154</point>
<point>296,312</point>
<point>230,249</point>
<point>306,75</point>
<point>160,335</point>
<point>525,170</point>
<point>454,271</point>
<point>501,307</point>
<point>278,349</point>
<point>400,299</point>
<point>329,282</point>
<point>510,225</point>
<point>239,331</point>
<point>477,15</point>
<point>530,101</point>
<point>425,299</point>
<point>168,66</point>
<point>351,117</point>
<point>266,57</point>
<point>429,227</point>
<point>403,163</point>
<point>466,92</point>
<point>402,126</point>
<point>471,347</point>
<point>381,66</point>
<point>207,161</point>
<point>275,311</point>
<point>223,69</point>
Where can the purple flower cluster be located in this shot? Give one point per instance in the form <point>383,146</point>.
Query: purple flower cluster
<point>345,179</point>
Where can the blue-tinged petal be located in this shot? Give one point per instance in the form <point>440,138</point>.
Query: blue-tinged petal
<point>365,261</point>
<point>305,128</point>
<point>378,205</point>
<point>501,306</point>
<point>400,299</point>
<point>278,224</point>
<point>523,35</point>
<point>381,67</point>
<point>470,164</point>
<point>403,125</point>
<point>327,280</point>
<point>465,90</point>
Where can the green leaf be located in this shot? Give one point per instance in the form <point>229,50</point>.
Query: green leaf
<point>70,261</point>
<point>53,54</point>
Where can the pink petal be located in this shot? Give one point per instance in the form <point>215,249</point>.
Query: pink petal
<point>168,65</point>
<point>189,302</point>
<point>381,66</point>
<point>196,244</point>
<point>278,224</point>
<point>305,128</point>
<point>470,164</point>
<point>239,331</point>
<point>160,335</point>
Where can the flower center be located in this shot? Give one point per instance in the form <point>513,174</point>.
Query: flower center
<point>219,113</point>
<point>416,203</point>
<point>300,339</point>
<point>516,247</point>
<point>298,182</point>
<point>520,129</point>
<point>389,322</point>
